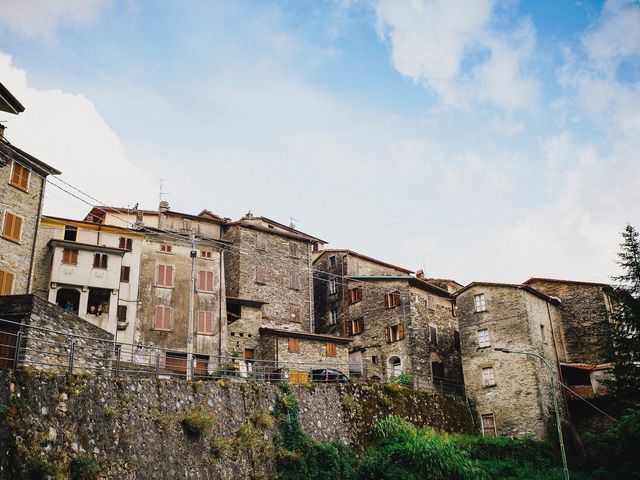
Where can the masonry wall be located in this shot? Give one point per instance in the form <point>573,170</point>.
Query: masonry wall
<point>15,257</point>
<point>312,353</point>
<point>244,332</point>
<point>132,427</point>
<point>177,298</point>
<point>583,325</point>
<point>279,264</point>
<point>520,399</point>
<point>324,301</point>
<point>46,350</point>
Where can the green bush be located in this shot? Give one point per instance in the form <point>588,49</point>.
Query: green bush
<point>84,467</point>
<point>3,411</point>
<point>521,450</point>
<point>197,422</point>
<point>37,468</point>
<point>403,379</point>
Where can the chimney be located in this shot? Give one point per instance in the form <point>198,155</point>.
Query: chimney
<point>164,206</point>
<point>420,274</point>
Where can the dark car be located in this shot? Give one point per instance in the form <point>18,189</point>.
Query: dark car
<point>328,375</point>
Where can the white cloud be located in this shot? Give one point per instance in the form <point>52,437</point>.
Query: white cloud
<point>451,48</point>
<point>41,17</point>
<point>67,132</point>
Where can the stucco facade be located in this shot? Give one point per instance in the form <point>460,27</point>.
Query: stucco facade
<point>510,391</point>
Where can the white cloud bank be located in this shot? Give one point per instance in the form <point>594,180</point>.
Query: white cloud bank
<point>67,132</point>
<point>452,47</point>
<point>41,17</point>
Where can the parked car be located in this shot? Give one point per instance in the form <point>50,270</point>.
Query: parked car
<point>328,375</point>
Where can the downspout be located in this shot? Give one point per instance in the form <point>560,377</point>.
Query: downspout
<point>35,236</point>
<point>221,276</point>
<point>310,266</point>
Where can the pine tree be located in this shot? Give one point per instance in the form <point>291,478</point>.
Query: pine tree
<point>626,317</point>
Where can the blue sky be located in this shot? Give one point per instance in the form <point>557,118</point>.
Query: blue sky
<point>485,140</point>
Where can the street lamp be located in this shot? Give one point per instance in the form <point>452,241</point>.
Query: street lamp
<point>555,404</point>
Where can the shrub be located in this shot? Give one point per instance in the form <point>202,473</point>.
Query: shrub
<point>404,378</point>
<point>522,450</point>
<point>84,467</point>
<point>394,427</point>
<point>37,468</point>
<point>3,411</point>
<point>197,422</point>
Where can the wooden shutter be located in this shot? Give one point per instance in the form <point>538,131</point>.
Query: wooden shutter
<point>167,318</point>
<point>331,349</point>
<point>202,280</point>
<point>6,283</point>
<point>433,334</point>
<point>294,345</point>
<point>124,274</point>
<point>294,313</point>
<point>121,313</point>
<point>123,242</point>
<point>159,317</point>
<point>456,340</point>
<point>294,280</point>
<point>96,260</point>
<point>103,260</point>
<point>70,256</point>
<point>293,249</point>
<point>12,226</point>
<point>387,300</point>
<point>261,274</point>
<point>249,353</point>
<point>387,334</point>
<point>400,331</point>
<point>261,241</point>
<point>168,276</point>
<point>209,281</point>
<point>20,176</point>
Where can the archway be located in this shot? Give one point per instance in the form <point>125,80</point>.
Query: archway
<point>394,366</point>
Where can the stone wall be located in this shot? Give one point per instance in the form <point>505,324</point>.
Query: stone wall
<point>312,353</point>
<point>16,257</point>
<point>584,322</point>
<point>48,347</point>
<point>520,399</point>
<point>132,428</point>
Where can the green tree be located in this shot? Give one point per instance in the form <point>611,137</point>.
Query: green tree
<point>626,316</point>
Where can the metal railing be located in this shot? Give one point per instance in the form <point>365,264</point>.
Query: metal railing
<point>28,346</point>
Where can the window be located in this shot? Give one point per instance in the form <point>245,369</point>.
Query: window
<point>205,322</point>
<point>164,248</point>
<point>433,334</point>
<point>100,260</point>
<point>121,313</point>
<point>125,273</point>
<point>431,303</point>
<point>355,295</point>
<point>261,241</point>
<point>261,274</point>
<point>186,224</point>
<point>488,378</point>
<point>331,349</point>
<point>480,302</point>
<point>6,283</point>
<point>294,345</point>
<point>332,261</point>
<point>70,233</point>
<point>293,250</point>
<point>456,340</point>
<point>333,287</point>
<point>206,254</point>
<point>249,353</point>
<point>437,370</point>
<point>488,424</point>
<point>205,281</point>
<point>294,313</point>
<point>70,256</point>
<point>164,276</point>
<point>543,334</point>
<point>394,333</point>
<point>20,177</point>
<point>294,280</point>
<point>374,359</point>
<point>354,327</point>
<point>163,318</point>
<point>483,338</point>
<point>392,299</point>
<point>334,314</point>
<point>126,243</point>
<point>12,227</point>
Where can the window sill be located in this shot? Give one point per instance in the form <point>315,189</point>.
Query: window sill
<point>162,329</point>
<point>165,253</point>
<point>481,311</point>
<point>490,386</point>
<point>165,286</point>
<point>70,264</point>
<point>205,334</point>
<point>484,348</point>
<point>205,291</point>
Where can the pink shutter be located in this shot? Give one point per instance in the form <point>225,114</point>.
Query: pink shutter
<point>158,318</point>
<point>209,322</point>
<point>160,278</point>
<point>167,318</point>
<point>168,272</point>
<point>201,321</point>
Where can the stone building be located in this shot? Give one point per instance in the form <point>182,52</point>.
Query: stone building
<point>22,186</point>
<point>165,293</point>
<point>398,323</point>
<point>269,280</point>
<point>91,270</point>
<point>511,392</point>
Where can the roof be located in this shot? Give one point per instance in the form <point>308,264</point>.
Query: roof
<point>306,335</point>
<point>55,242</point>
<point>8,102</point>
<point>526,288</point>
<point>29,160</point>
<point>587,366</point>
<point>445,280</point>
<point>365,257</point>
<point>555,280</point>
<point>210,214</point>
<point>245,301</point>
<point>288,231</point>
<point>413,281</point>
<point>131,211</point>
<point>67,221</point>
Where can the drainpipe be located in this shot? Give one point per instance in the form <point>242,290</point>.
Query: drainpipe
<point>221,277</point>
<point>35,236</point>
<point>555,349</point>
<point>310,266</point>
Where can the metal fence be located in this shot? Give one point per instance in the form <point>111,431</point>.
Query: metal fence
<point>23,345</point>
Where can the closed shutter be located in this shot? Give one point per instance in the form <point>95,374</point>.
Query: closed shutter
<point>12,227</point>
<point>122,313</point>
<point>331,349</point>
<point>294,345</point>
<point>387,334</point>
<point>400,331</point>
<point>6,283</point>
